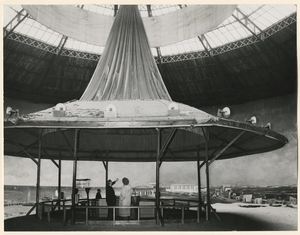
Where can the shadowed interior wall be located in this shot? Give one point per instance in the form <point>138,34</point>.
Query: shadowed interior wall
<point>280,165</point>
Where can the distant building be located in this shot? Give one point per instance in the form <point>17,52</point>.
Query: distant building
<point>257,198</point>
<point>291,200</point>
<point>143,190</point>
<point>188,188</point>
<point>247,198</point>
<point>226,188</point>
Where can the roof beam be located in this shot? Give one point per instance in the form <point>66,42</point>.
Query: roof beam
<point>247,20</point>
<point>115,10</point>
<point>20,147</point>
<point>166,145</point>
<point>245,25</point>
<point>226,142</point>
<point>61,44</point>
<point>149,10</point>
<point>19,21</point>
<point>205,44</point>
<point>159,54</point>
<point>226,147</point>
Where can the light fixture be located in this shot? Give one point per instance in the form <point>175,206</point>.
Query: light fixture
<point>110,111</point>
<point>59,110</point>
<point>173,109</point>
<point>12,112</point>
<point>60,107</point>
<point>252,120</point>
<point>223,113</point>
<point>268,126</point>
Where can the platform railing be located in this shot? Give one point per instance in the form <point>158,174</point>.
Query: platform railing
<point>49,206</point>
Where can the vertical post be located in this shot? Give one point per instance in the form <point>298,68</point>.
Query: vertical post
<point>199,186</point>
<point>157,174</point>
<point>64,213</point>
<point>157,196</point>
<point>59,172</point>
<point>207,175</point>
<point>106,172</point>
<point>59,182</point>
<point>86,216</point>
<point>38,172</point>
<point>74,176</point>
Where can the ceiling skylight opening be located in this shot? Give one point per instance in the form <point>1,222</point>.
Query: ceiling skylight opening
<point>255,17</point>
<point>9,12</point>
<point>249,9</point>
<point>154,52</point>
<point>107,10</point>
<point>270,14</point>
<point>186,46</point>
<point>169,50</point>
<point>158,10</point>
<point>33,29</point>
<point>72,44</point>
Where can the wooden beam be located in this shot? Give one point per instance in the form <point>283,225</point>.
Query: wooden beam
<point>171,154</point>
<point>157,194</point>
<point>115,10</point>
<point>207,175</point>
<point>59,177</point>
<point>55,163</point>
<point>39,172</point>
<point>149,10</point>
<point>19,22</point>
<point>30,146</point>
<point>67,142</point>
<point>94,153</point>
<point>23,150</point>
<point>106,167</point>
<point>199,186</point>
<point>166,145</point>
<point>226,147</point>
<point>226,142</point>
<point>74,176</point>
<point>32,208</point>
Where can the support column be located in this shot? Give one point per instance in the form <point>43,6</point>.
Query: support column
<point>38,173</point>
<point>106,173</point>
<point>199,185</point>
<point>59,179</point>
<point>157,194</point>
<point>207,174</point>
<point>59,171</point>
<point>74,176</point>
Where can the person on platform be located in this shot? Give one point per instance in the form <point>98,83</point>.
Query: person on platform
<point>125,199</point>
<point>98,195</point>
<point>110,197</point>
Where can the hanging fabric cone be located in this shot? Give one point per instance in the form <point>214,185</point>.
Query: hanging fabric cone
<point>127,69</point>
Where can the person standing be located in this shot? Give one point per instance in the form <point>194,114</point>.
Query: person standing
<point>110,197</point>
<point>97,202</point>
<point>125,198</point>
<point>98,195</point>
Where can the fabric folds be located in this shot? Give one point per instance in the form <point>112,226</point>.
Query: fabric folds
<point>127,69</point>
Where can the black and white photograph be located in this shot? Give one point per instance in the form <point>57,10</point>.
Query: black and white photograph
<point>149,117</point>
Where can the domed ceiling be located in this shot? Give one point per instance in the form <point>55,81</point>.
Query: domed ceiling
<point>250,55</point>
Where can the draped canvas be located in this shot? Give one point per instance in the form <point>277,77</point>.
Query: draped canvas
<point>127,69</point>
<point>166,29</point>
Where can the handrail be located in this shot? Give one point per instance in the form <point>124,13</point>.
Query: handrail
<point>46,204</point>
